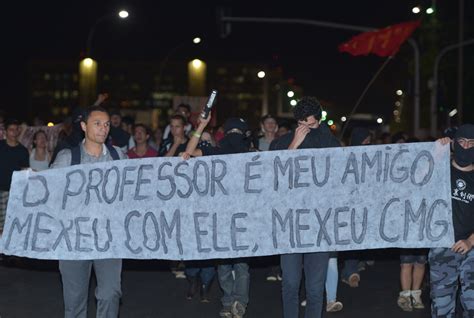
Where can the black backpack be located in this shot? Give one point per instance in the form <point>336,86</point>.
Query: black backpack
<point>76,154</point>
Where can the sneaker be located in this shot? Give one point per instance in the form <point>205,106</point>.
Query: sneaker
<point>179,274</point>
<point>226,312</point>
<point>303,303</point>
<point>272,278</point>
<point>404,301</point>
<point>416,299</point>
<point>353,280</point>
<point>334,306</point>
<point>274,274</point>
<point>238,309</point>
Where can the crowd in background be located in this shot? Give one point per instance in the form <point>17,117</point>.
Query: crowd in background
<point>37,146</point>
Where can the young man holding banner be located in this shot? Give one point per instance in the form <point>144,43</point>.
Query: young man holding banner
<point>233,274</point>
<point>449,266</point>
<point>309,134</point>
<point>76,274</point>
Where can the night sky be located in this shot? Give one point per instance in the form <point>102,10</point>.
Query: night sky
<point>58,30</point>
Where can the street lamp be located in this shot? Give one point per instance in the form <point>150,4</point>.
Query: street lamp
<point>164,62</point>
<point>343,118</point>
<point>430,10</point>
<point>416,10</point>
<point>88,67</point>
<point>261,74</point>
<point>293,102</point>
<point>197,77</point>
<point>379,120</point>
<point>290,94</point>
<point>123,14</point>
<point>88,62</point>
<point>227,20</point>
<point>434,85</point>
<point>399,92</point>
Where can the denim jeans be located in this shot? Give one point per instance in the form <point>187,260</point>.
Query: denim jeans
<point>75,277</point>
<point>204,269</point>
<point>332,280</point>
<point>315,267</point>
<point>235,289</point>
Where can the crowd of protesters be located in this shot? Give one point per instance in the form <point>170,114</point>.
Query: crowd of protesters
<point>95,134</point>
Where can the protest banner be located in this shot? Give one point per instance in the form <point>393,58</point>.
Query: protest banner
<point>243,205</point>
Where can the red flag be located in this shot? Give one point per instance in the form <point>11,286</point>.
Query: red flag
<point>383,42</point>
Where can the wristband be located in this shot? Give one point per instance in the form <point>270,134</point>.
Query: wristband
<point>196,134</point>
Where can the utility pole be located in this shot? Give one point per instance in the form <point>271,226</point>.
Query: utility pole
<point>460,62</point>
<point>434,88</point>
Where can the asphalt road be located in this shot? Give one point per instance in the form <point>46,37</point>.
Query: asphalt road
<point>32,288</point>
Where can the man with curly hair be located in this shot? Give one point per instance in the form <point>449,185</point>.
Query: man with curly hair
<point>310,133</point>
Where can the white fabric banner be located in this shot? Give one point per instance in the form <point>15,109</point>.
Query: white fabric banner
<point>244,205</point>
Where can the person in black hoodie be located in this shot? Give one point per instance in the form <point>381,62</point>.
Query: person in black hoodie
<point>451,268</point>
<point>310,133</point>
<point>236,289</point>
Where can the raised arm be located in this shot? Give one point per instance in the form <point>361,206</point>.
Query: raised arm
<point>191,149</point>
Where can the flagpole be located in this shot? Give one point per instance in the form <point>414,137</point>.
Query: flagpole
<point>364,92</point>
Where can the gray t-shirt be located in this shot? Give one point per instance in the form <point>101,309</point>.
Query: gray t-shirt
<point>63,159</point>
<point>263,144</point>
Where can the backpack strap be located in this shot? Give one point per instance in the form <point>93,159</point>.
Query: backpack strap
<point>113,152</point>
<point>75,155</point>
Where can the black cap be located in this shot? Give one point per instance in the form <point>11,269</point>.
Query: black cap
<point>465,131</point>
<point>235,122</point>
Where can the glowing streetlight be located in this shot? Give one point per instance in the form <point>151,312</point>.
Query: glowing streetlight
<point>197,70</point>
<point>197,40</point>
<point>196,63</point>
<point>416,10</point>
<point>123,14</point>
<point>379,120</point>
<point>399,92</point>
<point>343,118</point>
<point>261,74</point>
<point>290,94</point>
<point>430,10</point>
<point>330,122</point>
<point>88,62</point>
<point>453,112</point>
<point>293,102</point>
